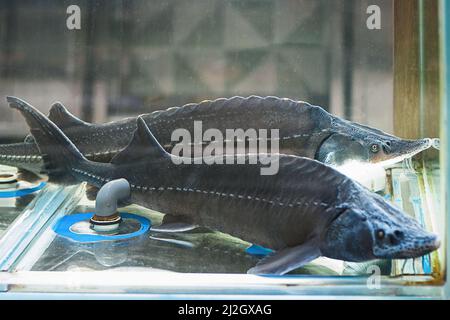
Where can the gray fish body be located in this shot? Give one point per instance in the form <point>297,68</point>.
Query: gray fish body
<point>306,210</point>
<point>273,211</point>
<point>302,127</point>
<point>304,130</point>
<point>98,142</point>
<point>23,155</point>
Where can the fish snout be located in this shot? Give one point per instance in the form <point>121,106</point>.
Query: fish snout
<point>397,150</point>
<point>412,147</point>
<point>426,244</point>
<point>419,246</point>
<point>404,241</point>
<point>432,243</point>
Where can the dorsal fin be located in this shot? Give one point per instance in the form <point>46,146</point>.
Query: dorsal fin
<point>143,145</point>
<point>60,116</point>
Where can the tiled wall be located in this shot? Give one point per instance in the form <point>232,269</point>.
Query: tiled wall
<point>190,50</point>
<point>136,56</point>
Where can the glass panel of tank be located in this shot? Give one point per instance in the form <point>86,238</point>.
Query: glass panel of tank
<point>74,246</point>
<point>70,244</point>
<point>15,195</point>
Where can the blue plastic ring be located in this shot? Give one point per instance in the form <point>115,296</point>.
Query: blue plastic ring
<point>62,228</point>
<point>21,192</point>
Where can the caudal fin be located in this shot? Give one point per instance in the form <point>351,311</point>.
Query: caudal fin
<point>60,116</point>
<point>59,154</point>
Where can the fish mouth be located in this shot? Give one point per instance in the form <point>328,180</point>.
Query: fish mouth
<point>406,149</point>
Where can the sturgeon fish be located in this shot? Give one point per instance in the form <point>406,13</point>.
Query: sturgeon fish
<point>304,130</point>
<point>306,210</point>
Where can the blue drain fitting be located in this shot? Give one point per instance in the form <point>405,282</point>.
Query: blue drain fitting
<point>62,228</point>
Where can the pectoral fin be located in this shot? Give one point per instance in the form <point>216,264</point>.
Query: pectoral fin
<point>287,259</point>
<point>181,243</point>
<point>172,223</point>
<point>330,158</point>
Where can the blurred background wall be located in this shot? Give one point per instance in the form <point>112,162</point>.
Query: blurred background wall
<point>136,56</point>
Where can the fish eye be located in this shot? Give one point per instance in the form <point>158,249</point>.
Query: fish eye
<point>374,148</point>
<point>380,234</point>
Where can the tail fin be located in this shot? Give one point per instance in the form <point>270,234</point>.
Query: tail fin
<point>60,116</point>
<point>59,154</point>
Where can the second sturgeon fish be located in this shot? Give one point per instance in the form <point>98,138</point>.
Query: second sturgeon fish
<point>304,130</point>
<point>306,210</point>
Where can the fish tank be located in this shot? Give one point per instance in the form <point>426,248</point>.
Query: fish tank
<point>379,65</point>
